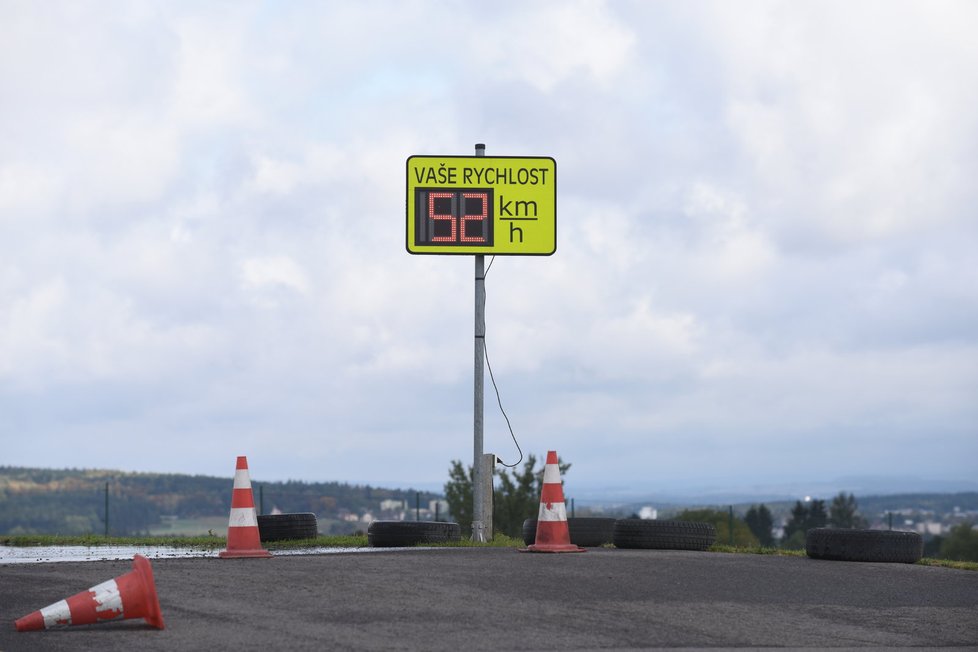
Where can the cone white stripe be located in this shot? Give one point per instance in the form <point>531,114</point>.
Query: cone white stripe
<point>552,512</point>
<point>107,598</point>
<point>56,615</point>
<point>243,517</point>
<point>551,474</point>
<point>241,479</point>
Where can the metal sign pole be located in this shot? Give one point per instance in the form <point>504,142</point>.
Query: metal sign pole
<point>479,517</point>
<point>504,206</point>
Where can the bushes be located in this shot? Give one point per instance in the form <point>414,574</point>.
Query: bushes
<point>961,544</point>
<point>720,520</point>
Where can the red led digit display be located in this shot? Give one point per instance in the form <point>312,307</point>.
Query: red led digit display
<point>475,208</point>
<point>458,217</point>
<point>441,216</point>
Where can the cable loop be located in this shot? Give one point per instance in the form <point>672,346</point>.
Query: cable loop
<point>499,400</point>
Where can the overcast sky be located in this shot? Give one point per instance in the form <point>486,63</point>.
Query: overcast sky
<point>766,265</point>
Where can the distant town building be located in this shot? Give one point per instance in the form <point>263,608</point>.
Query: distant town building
<point>649,513</point>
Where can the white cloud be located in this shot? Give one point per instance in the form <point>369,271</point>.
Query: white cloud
<point>557,41</point>
<point>863,119</point>
<point>270,272</point>
<point>114,159</point>
<point>210,67</point>
<point>766,227</point>
<point>26,190</point>
<point>276,176</point>
<point>732,249</point>
<point>61,332</point>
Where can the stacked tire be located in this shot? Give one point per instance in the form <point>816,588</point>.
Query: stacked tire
<point>282,527</point>
<point>663,535</point>
<point>586,532</point>
<point>386,534</point>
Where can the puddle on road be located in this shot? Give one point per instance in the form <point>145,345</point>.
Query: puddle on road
<point>46,554</point>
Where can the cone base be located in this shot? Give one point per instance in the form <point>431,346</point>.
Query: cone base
<point>556,547</point>
<point>232,554</point>
<point>153,616</point>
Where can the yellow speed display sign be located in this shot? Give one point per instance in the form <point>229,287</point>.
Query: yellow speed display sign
<point>500,205</point>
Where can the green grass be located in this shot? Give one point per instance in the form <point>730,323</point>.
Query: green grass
<point>190,526</point>
<point>332,541</point>
<point>215,542</point>
<point>948,563</point>
<point>360,541</point>
<point>25,540</point>
<point>498,541</point>
<point>756,550</point>
<point>205,542</point>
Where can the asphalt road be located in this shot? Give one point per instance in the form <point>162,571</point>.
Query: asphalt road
<point>498,599</point>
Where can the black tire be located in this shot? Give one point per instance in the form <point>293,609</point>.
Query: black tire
<point>530,531</point>
<point>838,544</point>
<point>279,527</point>
<point>385,534</point>
<point>587,532</point>
<point>663,535</point>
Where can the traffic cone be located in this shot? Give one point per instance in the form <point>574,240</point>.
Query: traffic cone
<point>553,534</point>
<point>132,595</point>
<point>244,539</point>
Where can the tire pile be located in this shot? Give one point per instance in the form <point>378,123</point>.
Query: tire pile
<point>584,532</point>
<point>633,533</point>
<point>833,544</point>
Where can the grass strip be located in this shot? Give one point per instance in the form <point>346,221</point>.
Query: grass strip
<point>200,542</point>
<point>498,541</point>
<point>755,550</point>
<point>949,563</point>
<point>360,541</point>
<point>332,541</point>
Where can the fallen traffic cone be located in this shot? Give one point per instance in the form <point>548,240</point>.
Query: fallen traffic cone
<point>132,595</point>
<point>553,534</point>
<point>244,539</point>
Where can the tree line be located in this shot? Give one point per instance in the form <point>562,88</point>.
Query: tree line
<point>516,496</point>
<point>72,501</point>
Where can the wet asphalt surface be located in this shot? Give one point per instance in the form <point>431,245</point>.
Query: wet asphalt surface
<point>498,599</point>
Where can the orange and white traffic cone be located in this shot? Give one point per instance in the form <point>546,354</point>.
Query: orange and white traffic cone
<point>244,539</point>
<point>132,595</point>
<point>553,534</point>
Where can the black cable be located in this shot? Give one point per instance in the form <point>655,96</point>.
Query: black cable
<point>499,400</point>
<point>486,273</point>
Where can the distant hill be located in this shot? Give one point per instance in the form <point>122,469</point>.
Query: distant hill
<point>709,492</point>
<point>72,501</point>
<point>948,508</point>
